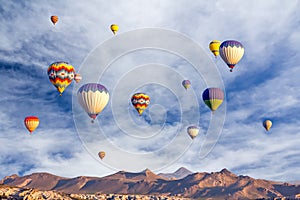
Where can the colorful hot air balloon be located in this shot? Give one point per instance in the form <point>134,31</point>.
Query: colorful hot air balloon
<point>186,84</point>
<point>114,28</point>
<point>31,123</point>
<point>213,98</point>
<point>214,47</point>
<point>54,19</point>
<point>77,78</point>
<point>267,124</point>
<point>101,155</point>
<point>61,75</point>
<point>231,52</point>
<point>93,98</point>
<point>193,131</point>
<point>140,102</point>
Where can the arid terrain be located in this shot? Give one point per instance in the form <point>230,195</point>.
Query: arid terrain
<point>146,185</point>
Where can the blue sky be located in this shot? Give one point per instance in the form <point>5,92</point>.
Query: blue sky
<point>263,85</point>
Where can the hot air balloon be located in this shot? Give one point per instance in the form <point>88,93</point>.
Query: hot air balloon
<point>114,28</point>
<point>213,98</point>
<point>101,155</point>
<point>140,102</point>
<point>77,78</point>
<point>214,47</point>
<point>93,98</point>
<point>54,19</point>
<point>186,84</point>
<point>61,75</point>
<point>267,124</point>
<point>31,123</point>
<point>231,52</point>
<point>193,131</point>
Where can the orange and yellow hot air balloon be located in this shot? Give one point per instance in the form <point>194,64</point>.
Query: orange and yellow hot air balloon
<point>267,124</point>
<point>31,123</point>
<point>214,47</point>
<point>61,75</point>
<point>101,155</point>
<point>140,102</point>
<point>114,28</point>
<point>54,19</point>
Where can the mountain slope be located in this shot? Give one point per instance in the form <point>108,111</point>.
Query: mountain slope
<point>178,174</point>
<point>216,185</point>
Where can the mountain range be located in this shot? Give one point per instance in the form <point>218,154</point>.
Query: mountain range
<point>181,183</point>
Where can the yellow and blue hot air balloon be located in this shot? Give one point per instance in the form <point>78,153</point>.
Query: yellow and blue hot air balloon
<point>140,102</point>
<point>93,98</point>
<point>186,84</point>
<point>213,97</point>
<point>61,75</point>
<point>193,131</point>
<point>214,47</point>
<point>231,52</point>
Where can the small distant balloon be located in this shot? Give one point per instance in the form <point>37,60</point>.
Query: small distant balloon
<point>101,155</point>
<point>61,75</point>
<point>140,102</point>
<point>214,47</point>
<point>93,98</point>
<point>267,124</point>
<point>54,19</point>
<point>114,28</point>
<point>193,131</point>
<point>77,78</point>
<point>31,123</point>
<point>213,97</point>
<point>231,52</point>
<point>186,84</point>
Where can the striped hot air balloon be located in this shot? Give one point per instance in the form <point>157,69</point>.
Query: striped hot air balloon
<point>214,47</point>
<point>61,75</point>
<point>186,84</point>
<point>193,131</point>
<point>140,102</point>
<point>213,98</point>
<point>31,123</point>
<point>231,52</point>
<point>93,98</point>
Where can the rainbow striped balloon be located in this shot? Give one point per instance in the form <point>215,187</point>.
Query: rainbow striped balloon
<point>61,75</point>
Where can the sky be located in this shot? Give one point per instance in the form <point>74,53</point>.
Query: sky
<point>159,44</point>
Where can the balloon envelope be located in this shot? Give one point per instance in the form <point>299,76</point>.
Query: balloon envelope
<point>77,78</point>
<point>54,19</point>
<point>114,28</point>
<point>93,98</point>
<point>61,75</point>
<point>186,84</point>
<point>31,123</point>
<point>231,52</point>
<point>140,102</point>
<point>213,98</point>
<point>193,131</point>
<point>214,47</point>
<point>267,124</point>
<point>101,154</point>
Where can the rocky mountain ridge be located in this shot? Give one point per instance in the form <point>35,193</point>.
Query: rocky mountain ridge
<point>215,185</point>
